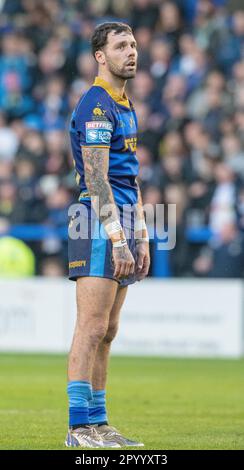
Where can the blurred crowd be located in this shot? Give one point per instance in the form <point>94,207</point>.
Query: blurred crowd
<point>189,98</point>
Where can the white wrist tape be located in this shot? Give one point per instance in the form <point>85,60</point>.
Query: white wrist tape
<point>113,227</point>
<point>120,243</point>
<point>116,228</point>
<point>140,240</point>
<point>140,224</point>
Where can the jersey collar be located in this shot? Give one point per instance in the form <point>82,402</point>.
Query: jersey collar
<point>109,89</point>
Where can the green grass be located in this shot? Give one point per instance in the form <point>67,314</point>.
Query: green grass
<point>166,403</point>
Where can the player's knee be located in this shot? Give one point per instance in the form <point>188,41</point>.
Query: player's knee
<point>97,333</point>
<point>111,332</point>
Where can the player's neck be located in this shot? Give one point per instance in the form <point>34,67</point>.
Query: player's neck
<point>116,83</point>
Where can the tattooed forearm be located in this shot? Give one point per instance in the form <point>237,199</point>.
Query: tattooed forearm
<point>96,162</point>
<point>141,233</point>
<point>139,205</point>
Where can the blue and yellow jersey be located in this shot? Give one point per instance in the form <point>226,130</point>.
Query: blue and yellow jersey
<point>103,119</point>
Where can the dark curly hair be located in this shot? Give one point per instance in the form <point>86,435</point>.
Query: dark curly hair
<point>100,35</point>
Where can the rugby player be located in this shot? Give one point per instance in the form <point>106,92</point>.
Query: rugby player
<point>103,133</point>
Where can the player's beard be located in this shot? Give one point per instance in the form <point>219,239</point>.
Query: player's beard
<point>120,72</point>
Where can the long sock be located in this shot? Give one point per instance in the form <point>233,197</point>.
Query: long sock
<point>97,408</point>
<point>80,393</point>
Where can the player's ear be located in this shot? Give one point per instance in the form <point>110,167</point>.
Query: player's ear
<point>100,57</point>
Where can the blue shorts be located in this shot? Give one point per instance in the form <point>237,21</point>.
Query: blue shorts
<point>90,249</point>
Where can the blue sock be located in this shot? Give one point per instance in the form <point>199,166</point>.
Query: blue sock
<point>97,408</point>
<point>79,392</point>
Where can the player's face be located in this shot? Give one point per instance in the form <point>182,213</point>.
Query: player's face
<point>121,55</point>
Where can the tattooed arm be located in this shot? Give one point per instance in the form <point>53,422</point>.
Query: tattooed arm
<point>142,240</point>
<point>141,233</point>
<point>96,161</point>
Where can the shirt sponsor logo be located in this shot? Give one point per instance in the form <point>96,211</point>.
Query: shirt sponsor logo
<point>99,125</point>
<point>104,136</point>
<point>91,135</point>
<point>96,136</point>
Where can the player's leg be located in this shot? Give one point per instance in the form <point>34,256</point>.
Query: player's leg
<point>97,407</point>
<point>99,375</point>
<point>95,298</point>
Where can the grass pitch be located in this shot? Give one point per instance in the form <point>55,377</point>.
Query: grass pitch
<point>166,403</point>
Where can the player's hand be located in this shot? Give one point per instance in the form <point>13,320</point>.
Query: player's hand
<point>142,260</point>
<point>124,263</point>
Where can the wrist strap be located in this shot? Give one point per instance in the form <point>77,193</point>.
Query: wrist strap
<point>141,233</point>
<point>113,227</point>
<point>120,243</point>
<point>140,224</point>
<point>116,233</point>
<point>141,240</point>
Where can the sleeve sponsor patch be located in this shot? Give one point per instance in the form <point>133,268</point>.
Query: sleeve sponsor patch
<point>99,132</point>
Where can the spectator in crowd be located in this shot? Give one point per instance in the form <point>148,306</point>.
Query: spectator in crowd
<point>224,256</point>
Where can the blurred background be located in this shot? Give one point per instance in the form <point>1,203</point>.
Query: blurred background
<point>189,97</point>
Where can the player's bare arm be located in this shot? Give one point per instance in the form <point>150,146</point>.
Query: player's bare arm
<point>142,240</point>
<point>96,177</point>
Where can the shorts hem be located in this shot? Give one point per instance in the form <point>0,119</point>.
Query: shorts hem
<point>75,277</point>
<point>122,283</point>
